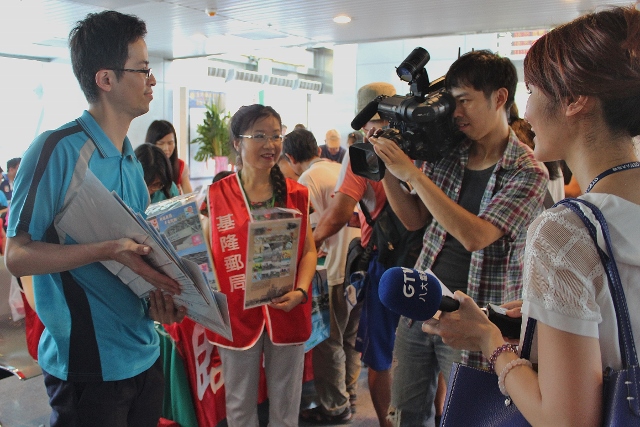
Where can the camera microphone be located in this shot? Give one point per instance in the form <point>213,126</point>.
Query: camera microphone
<point>414,294</point>
<point>365,114</point>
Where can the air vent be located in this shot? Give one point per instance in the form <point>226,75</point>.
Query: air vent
<point>281,81</point>
<point>217,72</point>
<point>245,76</point>
<point>308,85</point>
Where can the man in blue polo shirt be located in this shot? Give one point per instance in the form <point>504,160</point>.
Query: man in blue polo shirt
<point>99,351</point>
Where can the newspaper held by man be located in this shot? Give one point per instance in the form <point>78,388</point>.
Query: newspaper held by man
<point>93,214</point>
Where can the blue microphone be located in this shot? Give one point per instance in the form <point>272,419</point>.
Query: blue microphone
<point>414,294</point>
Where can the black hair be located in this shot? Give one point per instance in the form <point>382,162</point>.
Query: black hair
<point>241,121</point>
<point>157,130</point>
<point>301,145</point>
<point>101,41</point>
<point>13,163</point>
<point>155,165</point>
<point>484,71</point>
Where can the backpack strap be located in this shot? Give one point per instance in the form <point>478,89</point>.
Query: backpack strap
<point>367,214</point>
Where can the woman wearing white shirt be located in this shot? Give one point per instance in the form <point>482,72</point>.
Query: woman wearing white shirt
<point>584,79</point>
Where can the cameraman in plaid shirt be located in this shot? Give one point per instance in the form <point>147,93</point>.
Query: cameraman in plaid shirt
<point>477,202</point>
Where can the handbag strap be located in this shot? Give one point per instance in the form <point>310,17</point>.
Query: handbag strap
<point>625,334</point>
<point>527,341</point>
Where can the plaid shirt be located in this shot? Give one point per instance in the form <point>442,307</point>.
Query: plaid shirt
<point>512,199</point>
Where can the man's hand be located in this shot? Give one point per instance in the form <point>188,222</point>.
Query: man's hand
<point>129,253</point>
<point>396,161</point>
<point>514,308</point>
<point>162,309</point>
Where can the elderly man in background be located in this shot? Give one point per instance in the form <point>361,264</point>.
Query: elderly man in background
<point>331,149</point>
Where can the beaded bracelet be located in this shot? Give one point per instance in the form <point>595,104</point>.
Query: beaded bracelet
<point>498,351</point>
<point>507,369</point>
<point>305,295</point>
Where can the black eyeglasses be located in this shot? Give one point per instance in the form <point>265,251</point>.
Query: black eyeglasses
<point>146,71</point>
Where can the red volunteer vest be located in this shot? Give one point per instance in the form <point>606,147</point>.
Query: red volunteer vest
<point>204,370</point>
<point>230,216</point>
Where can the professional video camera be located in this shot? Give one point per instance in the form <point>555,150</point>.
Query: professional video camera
<point>421,123</point>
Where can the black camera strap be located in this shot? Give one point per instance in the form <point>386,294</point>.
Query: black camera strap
<point>368,250</point>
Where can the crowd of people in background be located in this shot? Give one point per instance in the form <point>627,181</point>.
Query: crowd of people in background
<point>485,211</point>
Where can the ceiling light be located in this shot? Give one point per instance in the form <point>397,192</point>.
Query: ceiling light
<point>342,19</point>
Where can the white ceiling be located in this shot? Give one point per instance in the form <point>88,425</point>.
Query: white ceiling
<point>181,28</point>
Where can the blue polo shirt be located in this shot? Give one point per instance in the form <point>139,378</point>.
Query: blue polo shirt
<point>96,328</point>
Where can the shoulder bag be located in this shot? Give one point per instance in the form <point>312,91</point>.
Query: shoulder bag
<point>473,397</point>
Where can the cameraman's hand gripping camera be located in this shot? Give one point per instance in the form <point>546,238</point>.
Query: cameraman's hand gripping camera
<point>421,123</point>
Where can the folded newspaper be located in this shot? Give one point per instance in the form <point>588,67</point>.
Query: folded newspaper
<point>177,218</point>
<point>94,215</point>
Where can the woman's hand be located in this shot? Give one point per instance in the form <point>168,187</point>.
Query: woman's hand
<point>467,328</point>
<point>287,301</point>
<point>396,161</point>
<point>163,310</point>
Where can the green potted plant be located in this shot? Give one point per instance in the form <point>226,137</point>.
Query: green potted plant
<point>213,138</point>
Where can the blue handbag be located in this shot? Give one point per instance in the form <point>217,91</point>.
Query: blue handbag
<point>621,406</point>
<point>473,397</point>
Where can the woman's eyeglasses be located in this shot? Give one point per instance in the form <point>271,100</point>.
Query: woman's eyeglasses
<point>262,138</point>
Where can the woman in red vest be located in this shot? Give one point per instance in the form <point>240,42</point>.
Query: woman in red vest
<point>279,329</point>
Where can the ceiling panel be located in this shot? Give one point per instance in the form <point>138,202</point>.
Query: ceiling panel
<point>180,28</point>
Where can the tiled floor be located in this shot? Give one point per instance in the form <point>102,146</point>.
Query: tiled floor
<point>24,403</point>
<point>365,415</point>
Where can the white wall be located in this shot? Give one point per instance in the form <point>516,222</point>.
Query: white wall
<point>38,96</point>
<point>378,61</point>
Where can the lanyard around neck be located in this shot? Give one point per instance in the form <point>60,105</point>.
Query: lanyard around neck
<point>619,168</point>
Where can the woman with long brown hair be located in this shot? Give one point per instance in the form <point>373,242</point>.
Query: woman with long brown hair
<point>162,134</point>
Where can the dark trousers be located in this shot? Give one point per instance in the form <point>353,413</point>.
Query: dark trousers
<point>134,402</point>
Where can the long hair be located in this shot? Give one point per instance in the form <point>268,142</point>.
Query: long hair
<point>241,121</point>
<point>595,55</point>
<point>155,165</point>
<point>158,129</point>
